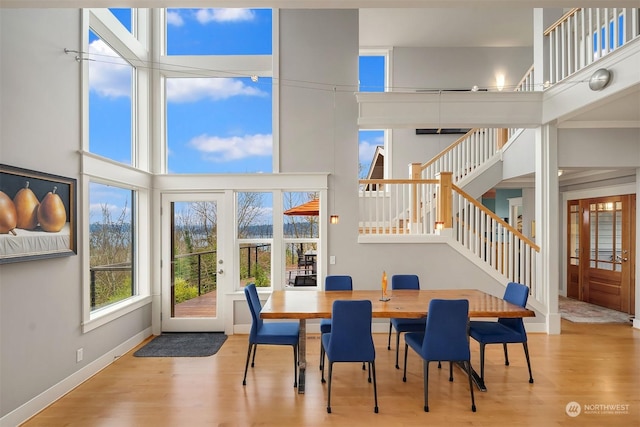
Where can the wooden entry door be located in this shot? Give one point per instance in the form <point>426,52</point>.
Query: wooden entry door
<point>601,245</point>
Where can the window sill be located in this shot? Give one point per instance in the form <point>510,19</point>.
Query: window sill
<point>113,312</point>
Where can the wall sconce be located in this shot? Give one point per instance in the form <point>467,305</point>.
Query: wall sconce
<point>500,82</point>
<point>439,227</point>
<point>334,219</point>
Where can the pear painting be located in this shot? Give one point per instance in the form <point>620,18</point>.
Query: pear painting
<point>8,215</point>
<point>26,204</point>
<point>51,213</point>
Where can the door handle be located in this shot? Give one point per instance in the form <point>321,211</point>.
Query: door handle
<point>220,271</point>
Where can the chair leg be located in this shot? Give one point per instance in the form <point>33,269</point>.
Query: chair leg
<point>397,348</point>
<point>389,343</point>
<point>450,371</point>
<point>526,353</point>
<point>369,364</point>
<point>506,355</point>
<point>322,380</point>
<point>482,361</point>
<point>253,360</point>
<point>246,365</point>
<point>321,354</point>
<point>375,387</point>
<point>295,366</point>
<point>426,385</point>
<point>473,400</point>
<point>404,376</point>
<point>329,390</point>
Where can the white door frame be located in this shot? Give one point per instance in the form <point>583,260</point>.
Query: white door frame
<point>202,324</point>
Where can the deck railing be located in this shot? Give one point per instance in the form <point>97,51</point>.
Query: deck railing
<point>582,36</point>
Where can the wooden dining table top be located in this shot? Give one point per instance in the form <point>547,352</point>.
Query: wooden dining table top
<point>402,303</point>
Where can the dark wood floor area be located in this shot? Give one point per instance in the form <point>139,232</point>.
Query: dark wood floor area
<point>591,364</point>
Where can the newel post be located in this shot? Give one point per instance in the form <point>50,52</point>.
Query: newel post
<point>415,172</point>
<point>502,137</point>
<point>445,204</point>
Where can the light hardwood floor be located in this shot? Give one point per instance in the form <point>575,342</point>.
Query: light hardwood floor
<point>591,364</point>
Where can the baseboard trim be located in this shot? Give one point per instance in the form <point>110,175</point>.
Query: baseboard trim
<point>49,396</point>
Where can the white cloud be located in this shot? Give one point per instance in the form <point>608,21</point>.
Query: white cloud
<point>366,149</point>
<point>219,150</point>
<point>115,211</point>
<point>195,89</point>
<point>174,18</point>
<point>109,74</point>
<point>204,16</point>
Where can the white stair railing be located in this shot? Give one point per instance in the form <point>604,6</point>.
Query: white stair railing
<point>494,241</point>
<point>466,154</point>
<point>397,206</point>
<point>582,36</point>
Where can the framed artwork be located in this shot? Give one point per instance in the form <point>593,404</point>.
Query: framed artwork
<point>37,215</point>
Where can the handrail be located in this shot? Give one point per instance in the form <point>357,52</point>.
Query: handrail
<point>448,149</point>
<point>496,218</point>
<point>397,181</point>
<point>522,83</point>
<point>560,21</point>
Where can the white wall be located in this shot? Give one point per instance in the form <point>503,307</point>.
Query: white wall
<point>458,68</point>
<point>40,301</point>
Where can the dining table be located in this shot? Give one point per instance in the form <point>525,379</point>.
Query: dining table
<point>399,303</point>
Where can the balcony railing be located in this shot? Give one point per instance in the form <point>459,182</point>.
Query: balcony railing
<point>582,36</point>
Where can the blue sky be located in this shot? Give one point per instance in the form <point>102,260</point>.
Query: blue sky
<point>214,125</point>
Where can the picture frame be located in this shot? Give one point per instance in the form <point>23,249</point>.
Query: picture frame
<point>46,230</point>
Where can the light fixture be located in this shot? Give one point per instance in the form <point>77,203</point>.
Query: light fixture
<point>439,226</point>
<point>600,79</point>
<point>254,78</point>
<point>546,84</point>
<point>500,82</point>
<point>560,172</point>
<point>474,88</point>
<point>334,218</point>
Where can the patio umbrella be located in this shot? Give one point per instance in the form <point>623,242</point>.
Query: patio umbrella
<point>310,208</point>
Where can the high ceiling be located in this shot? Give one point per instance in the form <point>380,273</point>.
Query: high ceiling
<point>427,27</point>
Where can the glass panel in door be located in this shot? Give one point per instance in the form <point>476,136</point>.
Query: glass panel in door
<point>194,273</point>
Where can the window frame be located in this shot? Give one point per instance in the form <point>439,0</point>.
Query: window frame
<point>134,177</point>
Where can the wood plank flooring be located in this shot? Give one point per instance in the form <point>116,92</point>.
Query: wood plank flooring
<point>591,364</point>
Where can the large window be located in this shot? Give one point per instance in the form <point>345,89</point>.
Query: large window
<point>254,219</point>
<point>110,97</point>
<point>111,248</point>
<point>218,31</point>
<point>219,125</point>
<point>218,89</point>
<point>372,78</point>
<point>301,236</point>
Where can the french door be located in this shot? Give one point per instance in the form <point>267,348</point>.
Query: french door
<point>193,268</point>
<point>601,247</point>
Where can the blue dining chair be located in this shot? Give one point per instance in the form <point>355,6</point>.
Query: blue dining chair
<point>443,339</point>
<point>404,281</point>
<point>274,333</point>
<point>332,283</point>
<point>350,340</point>
<point>505,330</point>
